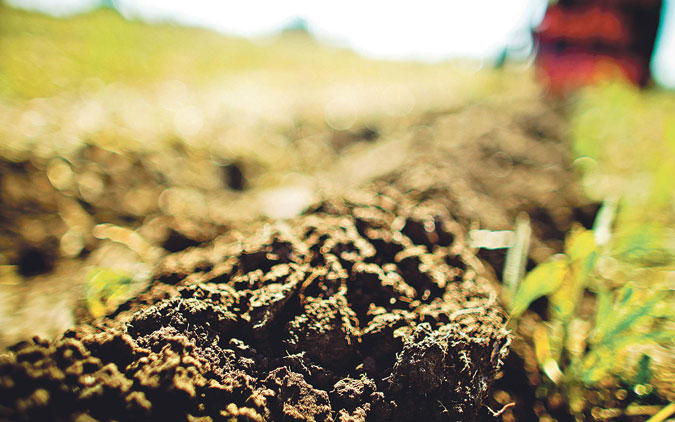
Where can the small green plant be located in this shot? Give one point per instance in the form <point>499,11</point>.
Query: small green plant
<point>610,292</point>
<point>576,351</point>
<point>105,289</point>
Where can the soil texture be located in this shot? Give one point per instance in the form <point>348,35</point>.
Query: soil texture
<point>369,307</point>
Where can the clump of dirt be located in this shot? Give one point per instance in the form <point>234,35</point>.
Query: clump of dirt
<point>65,212</point>
<point>364,308</point>
<point>488,163</point>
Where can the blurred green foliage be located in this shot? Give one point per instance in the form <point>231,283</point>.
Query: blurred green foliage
<point>43,56</point>
<point>575,351</point>
<point>106,288</point>
<point>102,45</point>
<point>626,139</point>
<point>624,142</point>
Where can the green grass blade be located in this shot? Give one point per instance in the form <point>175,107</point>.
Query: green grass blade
<point>542,280</point>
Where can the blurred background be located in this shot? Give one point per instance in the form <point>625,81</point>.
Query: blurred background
<point>485,31</point>
<point>130,130</point>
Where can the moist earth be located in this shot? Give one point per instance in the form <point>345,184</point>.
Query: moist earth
<point>366,307</point>
<point>63,214</point>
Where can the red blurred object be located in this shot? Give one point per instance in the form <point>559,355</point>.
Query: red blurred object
<point>583,42</point>
<point>587,23</point>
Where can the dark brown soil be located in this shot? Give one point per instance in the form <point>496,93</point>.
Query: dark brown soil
<point>364,308</point>
<point>369,307</point>
<point>485,163</point>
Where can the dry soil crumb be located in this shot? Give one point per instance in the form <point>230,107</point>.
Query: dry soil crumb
<point>364,308</point>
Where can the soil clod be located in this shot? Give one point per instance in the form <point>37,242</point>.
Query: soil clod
<point>351,312</point>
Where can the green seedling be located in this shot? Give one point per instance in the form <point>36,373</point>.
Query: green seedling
<point>105,289</point>
<point>576,353</point>
<point>610,293</point>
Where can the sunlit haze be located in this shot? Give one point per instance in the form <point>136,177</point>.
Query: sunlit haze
<point>427,30</point>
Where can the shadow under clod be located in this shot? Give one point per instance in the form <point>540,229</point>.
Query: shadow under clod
<point>364,308</point>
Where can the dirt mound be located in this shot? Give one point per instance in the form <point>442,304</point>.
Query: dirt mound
<point>367,308</point>
<point>93,206</point>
